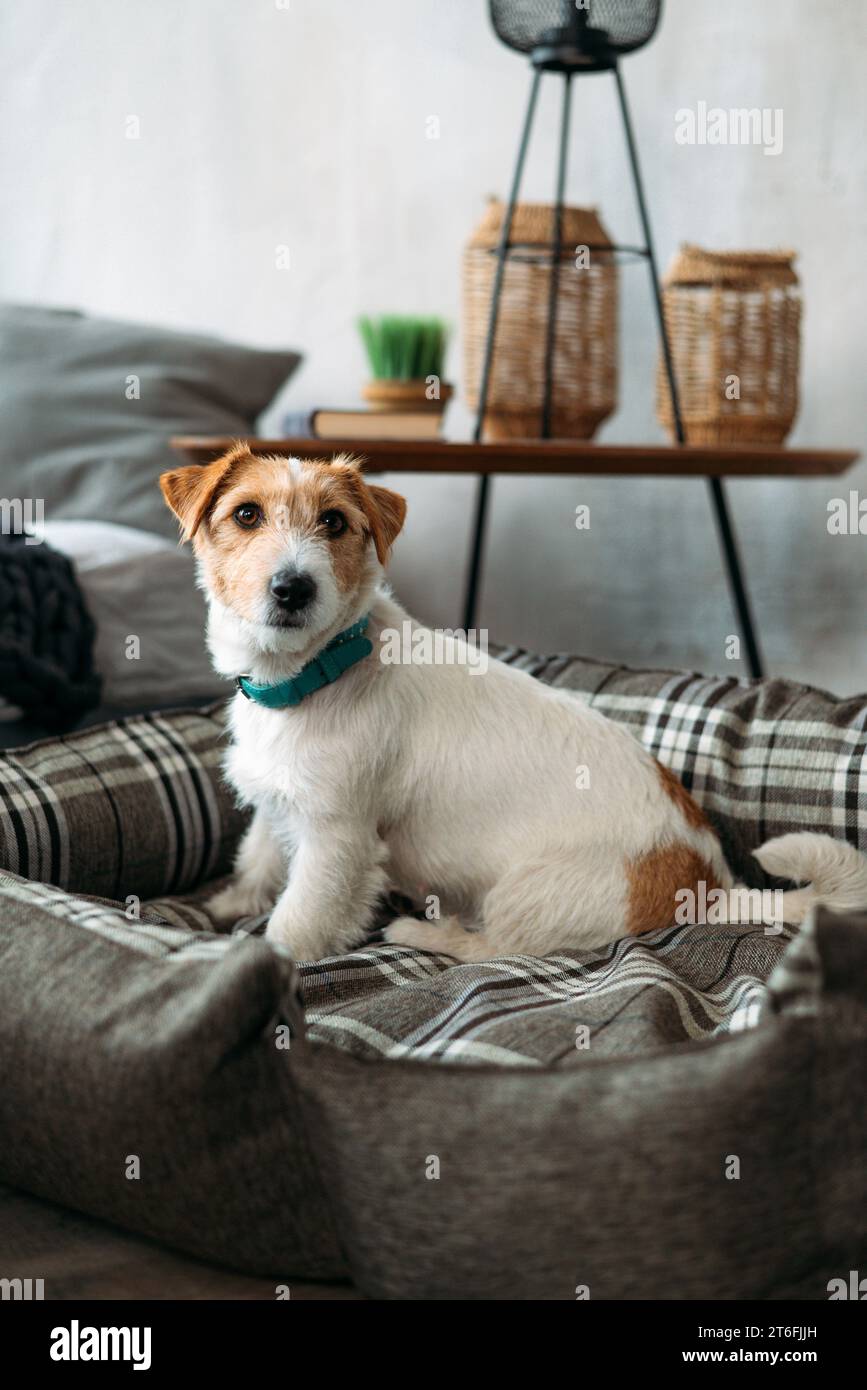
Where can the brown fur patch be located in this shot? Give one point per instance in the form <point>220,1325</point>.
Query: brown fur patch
<point>192,491</point>
<point>689,809</point>
<point>238,563</point>
<point>654,880</point>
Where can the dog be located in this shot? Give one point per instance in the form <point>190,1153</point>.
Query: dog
<point>455,787</point>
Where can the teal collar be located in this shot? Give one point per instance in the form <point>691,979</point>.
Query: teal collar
<point>342,651</point>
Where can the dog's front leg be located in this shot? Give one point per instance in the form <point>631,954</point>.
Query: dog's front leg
<point>260,873</point>
<point>337,878</point>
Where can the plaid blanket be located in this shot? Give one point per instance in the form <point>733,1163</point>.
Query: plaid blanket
<point>134,806</point>
<point>678,985</point>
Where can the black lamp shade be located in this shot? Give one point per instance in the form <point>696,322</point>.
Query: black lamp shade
<point>599,29</point>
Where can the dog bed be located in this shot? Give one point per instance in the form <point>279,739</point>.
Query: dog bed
<point>681,1115</point>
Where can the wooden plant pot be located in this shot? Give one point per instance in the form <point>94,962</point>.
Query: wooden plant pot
<point>406,395</point>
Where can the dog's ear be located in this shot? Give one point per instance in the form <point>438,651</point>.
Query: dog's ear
<point>385,510</point>
<point>386,513</point>
<point>191,491</point>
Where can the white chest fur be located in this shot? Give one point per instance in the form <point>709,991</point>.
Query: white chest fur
<point>266,755</point>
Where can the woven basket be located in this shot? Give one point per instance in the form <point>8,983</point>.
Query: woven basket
<point>732,314</point>
<point>585,353</point>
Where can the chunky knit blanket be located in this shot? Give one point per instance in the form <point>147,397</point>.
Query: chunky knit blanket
<point>46,635</point>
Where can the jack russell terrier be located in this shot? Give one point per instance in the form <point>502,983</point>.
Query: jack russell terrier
<point>433,779</point>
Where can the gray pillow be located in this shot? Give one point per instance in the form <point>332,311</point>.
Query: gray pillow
<point>140,590</point>
<point>147,1080</point>
<point>76,438</point>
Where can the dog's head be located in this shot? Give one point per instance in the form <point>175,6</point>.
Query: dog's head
<point>291,549</point>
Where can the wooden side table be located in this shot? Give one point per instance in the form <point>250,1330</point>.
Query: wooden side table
<point>558,458</point>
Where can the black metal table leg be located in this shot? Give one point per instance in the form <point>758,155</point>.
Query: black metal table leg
<point>729,546</point>
<point>556,238</point>
<point>471,596</point>
<point>725,529</point>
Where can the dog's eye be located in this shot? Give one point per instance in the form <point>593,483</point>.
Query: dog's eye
<point>247,515</point>
<point>334,523</point>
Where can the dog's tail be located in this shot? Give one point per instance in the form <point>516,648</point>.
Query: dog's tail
<point>835,874</point>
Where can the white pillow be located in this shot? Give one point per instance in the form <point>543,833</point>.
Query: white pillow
<point>91,544</point>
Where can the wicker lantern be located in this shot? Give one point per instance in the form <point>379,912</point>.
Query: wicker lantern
<point>585,347</point>
<point>734,323</point>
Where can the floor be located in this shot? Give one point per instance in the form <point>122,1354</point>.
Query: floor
<point>81,1258</point>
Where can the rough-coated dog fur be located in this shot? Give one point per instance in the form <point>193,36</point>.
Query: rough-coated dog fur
<point>449,785</point>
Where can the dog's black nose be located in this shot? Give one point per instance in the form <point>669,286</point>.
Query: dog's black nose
<point>292,591</point>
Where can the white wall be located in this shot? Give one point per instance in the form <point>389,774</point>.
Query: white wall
<point>305,125</point>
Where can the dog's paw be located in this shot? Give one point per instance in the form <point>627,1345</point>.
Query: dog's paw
<point>446,938</point>
<point>279,930</point>
<point>299,937</point>
<point>421,936</point>
<point>235,901</point>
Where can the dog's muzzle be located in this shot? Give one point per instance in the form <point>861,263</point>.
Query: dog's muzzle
<point>292,592</point>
